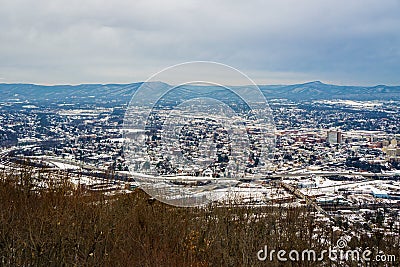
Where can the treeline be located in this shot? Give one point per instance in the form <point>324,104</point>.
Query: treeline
<point>67,226</point>
<point>365,165</point>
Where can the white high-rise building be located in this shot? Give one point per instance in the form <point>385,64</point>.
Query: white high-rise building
<point>334,137</point>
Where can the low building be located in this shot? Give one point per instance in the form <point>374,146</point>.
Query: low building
<point>379,193</point>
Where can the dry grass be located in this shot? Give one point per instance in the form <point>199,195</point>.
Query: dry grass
<point>64,226</point>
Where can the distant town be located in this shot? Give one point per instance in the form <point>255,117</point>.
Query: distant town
<point>341,156</point>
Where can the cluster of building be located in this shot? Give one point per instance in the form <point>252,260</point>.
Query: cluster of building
<point>337,154</point>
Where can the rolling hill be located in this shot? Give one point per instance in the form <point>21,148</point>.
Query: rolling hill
<point>122,93</point>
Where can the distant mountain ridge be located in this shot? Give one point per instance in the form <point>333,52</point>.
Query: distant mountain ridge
<point>122,93</point>
<point>317,90</point>
<point>68,93</point>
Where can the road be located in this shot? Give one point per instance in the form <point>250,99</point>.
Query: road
<point>326,173</point>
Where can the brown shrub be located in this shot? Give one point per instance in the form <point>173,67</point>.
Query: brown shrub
<point>65,226</point>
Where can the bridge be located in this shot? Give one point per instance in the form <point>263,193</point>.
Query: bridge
<point>295,191</point>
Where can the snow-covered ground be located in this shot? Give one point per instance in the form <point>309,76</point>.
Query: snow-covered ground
<point>63,166</point>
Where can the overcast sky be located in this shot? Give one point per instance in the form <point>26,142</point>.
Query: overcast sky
<point>273,42</point>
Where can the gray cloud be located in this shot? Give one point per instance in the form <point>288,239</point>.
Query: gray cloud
<point>355,42</point>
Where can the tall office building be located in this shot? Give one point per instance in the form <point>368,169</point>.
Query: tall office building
<point>334,137</point>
